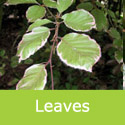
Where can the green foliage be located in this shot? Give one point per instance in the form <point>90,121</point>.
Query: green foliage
<point>32,42</point>
<point>14,2</point>
<point>101,19</point>
<point>34,78</point>
<point>79,20</point>
<point>87,6</point>
<point>85,51</point>
<point>76,50</point>
<point>37,23</point>
<point>35,12</point>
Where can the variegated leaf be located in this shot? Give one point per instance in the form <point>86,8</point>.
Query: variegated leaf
<point>35,78</point>
<point>79,51</point>
<point>32,42</point>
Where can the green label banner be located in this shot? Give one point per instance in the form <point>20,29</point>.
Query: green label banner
<point>62,107</point>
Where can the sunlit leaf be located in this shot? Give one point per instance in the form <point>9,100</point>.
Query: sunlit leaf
<point>35,78</point>
<point>35,12</point>
<point>79,51</point>
<point>50,3</point>
<point>13,2</point>
<point>38,22</point>
<point>32,42</point>
<point>80,20</point>
<point>62,5</point>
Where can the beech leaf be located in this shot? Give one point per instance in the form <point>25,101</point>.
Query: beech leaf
<point>101,20</point>
<point>80,20</point>
<point>35,78</point>
<point>35,12</point>
<point>62,5</point>
<point>38,22</point>
<point>50,3</point>
<point>14,2</point>
<point>79,51</point>
<point>32,42</point>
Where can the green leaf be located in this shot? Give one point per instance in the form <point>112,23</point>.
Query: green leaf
<point>111,13</point>
<point>80,20</point>
<point>35,12</point>
<point>114,33</point>
<point>101,20</point>
<point>39,22</point>
<point>50,3</point>
<point>118,43</point>
<point>2,71</point>
<point>79,51</point>
<point>119,56</point>
<point>2,52</point>
<point>32,42</point>
<point>62,5</point>
<point>35,78</point>
<point>14,2</point>
<point>87,6</point>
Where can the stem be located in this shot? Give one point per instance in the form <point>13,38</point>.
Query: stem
<point>50,12</point>
<point>54,40</point>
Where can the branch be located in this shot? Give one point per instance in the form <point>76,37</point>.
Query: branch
<point>54,40</point>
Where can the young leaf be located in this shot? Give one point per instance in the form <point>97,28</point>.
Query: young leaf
<point>14,2</point>
<point>62,5</point>
<point>35,78</point>
<point>35,12</point>
<point>79,51</point>
<point>38,22</point>
<point>101,20</point>
<point>80,20</point>
<point>50,3</point>
<point>32,42</point>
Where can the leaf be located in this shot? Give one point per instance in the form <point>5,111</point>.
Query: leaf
<point>119,56</point>
<point>114,33</point>
<point>38,22</point>
<point>35,12</point>
<point>101,20</point>
<point>35,78</point>
<point>111,13</point>
<point>118,43</point>
<point>79,51</point>
<point>50,3</point>
<point>80,20</point>
<point>14,2</point>
<point>87,6</point>
<point>62,5</point>
<point>32,42</point>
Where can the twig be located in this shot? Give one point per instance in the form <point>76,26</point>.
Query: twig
<point>50,12</point>
<point>54,40</point>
